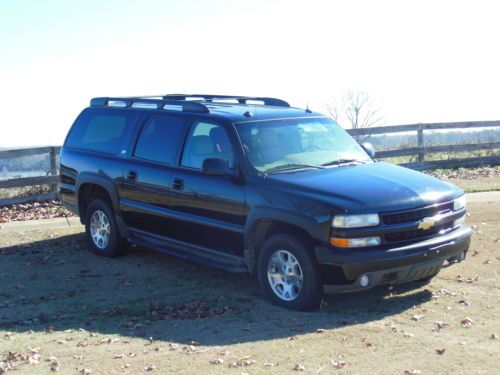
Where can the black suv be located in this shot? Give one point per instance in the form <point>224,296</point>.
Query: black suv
<point>253,185</point>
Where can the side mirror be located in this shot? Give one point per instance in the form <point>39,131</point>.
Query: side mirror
<point>368,147</point>
<point>216,167</point>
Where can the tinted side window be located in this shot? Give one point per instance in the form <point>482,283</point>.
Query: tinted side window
<point>159,139</point>
<point>98,132</point>
<point>205,141</point>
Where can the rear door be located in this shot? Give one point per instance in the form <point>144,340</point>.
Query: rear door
<point>145,191</point>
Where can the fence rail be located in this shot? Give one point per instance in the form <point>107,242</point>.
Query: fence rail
<point>52,178</point>
<point>420,151</point>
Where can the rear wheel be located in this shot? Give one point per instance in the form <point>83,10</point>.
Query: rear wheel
<point>288,273</point>
<point>101,229</point>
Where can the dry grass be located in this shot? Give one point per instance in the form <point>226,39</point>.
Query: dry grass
<point>107,316</point>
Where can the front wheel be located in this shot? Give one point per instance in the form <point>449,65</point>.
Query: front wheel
<point>101,229</point>
<point>288,273</point>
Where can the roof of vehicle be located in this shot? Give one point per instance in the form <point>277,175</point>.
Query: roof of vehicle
<point>235,108</point>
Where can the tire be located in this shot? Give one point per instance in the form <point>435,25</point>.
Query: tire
<point>105,241</point>
<point>301,288</point>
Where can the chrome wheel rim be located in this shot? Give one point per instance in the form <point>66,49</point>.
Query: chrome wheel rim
<point>100,230</point>
<point>285,275</point>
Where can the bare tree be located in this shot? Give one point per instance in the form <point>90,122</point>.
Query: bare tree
<point>354,110</point>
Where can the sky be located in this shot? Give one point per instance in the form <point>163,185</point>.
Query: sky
<point>419,61</point>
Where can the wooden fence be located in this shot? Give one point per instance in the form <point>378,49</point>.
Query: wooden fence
<point>420,151</point>
<point>51,178</point>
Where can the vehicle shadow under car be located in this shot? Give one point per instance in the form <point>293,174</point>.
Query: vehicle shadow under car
<point>58,284</point>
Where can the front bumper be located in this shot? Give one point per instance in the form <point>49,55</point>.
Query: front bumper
<point>407,263</point>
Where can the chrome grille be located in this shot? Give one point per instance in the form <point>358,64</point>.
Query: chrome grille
<point>399,217</point>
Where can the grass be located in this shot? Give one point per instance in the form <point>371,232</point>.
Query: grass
<point>149,312</point>
<point>477,185</point>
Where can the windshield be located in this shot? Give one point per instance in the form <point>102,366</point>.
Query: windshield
<point>298,143</point>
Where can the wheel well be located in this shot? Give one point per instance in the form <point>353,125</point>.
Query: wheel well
<point>86,193</point>
<point>265,228</point>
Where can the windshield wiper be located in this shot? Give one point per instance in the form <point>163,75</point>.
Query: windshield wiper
<point>290,166</point>
<point>342,161</point>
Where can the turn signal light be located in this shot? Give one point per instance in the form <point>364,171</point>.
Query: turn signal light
<point>339,242</point>
<point>355,242</point>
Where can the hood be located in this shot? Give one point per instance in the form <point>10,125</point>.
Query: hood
<point>371,187</point>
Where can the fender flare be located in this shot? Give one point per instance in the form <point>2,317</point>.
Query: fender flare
<point>308,224</point>
<point>107,184</point>
<point>102,181</point>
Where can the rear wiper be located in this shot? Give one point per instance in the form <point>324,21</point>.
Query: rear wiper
<point>290,166</point>
<point>342,161</point>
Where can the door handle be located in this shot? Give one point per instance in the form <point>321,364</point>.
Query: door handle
<point>132,175</point>
<point>178,184</point>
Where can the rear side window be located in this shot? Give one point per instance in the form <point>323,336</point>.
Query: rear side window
<point>98,132</point>
<point>159,139</point>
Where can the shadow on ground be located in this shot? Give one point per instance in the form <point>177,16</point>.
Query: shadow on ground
<point>56,284</point>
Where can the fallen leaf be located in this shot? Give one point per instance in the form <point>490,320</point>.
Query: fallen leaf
<point>440,350</point>
<point>441,325</point>
<point>467,322</point>
<point>217,361</point>
<point>416,317</point>
<point>298,367</point>
<point>337,364</point>
<point>54,364</point>
<point>34,359</point>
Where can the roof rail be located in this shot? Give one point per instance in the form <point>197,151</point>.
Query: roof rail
<point>239,99</point>
<point>149,102</point>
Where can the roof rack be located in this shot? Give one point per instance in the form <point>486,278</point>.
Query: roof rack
<point>239,99</point>
<point>150,102</point>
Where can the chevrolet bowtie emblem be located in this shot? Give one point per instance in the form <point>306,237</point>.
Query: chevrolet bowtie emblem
<point>427,223</point>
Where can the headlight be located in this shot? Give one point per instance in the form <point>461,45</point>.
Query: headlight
<point>355,242</point>
<point>355,221</point>
<point>460,203</point>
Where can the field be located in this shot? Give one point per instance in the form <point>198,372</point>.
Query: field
<point>63,309</point>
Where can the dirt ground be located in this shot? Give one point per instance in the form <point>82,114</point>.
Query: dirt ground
<point>64,309</point>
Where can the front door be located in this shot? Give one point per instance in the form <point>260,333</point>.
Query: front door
<point>211,207</point>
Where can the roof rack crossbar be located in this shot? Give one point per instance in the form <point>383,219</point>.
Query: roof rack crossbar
<point>239,99</point>
<point>186,106</point>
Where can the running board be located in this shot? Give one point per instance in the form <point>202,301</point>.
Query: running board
<point>184,250</point>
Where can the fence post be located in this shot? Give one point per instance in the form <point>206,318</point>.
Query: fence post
<point>53,168</point>
<point>420,142</point>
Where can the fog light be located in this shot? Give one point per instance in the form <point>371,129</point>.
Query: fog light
<point>459,222</point>
<point>364,281</point>
<point>457,259</point>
